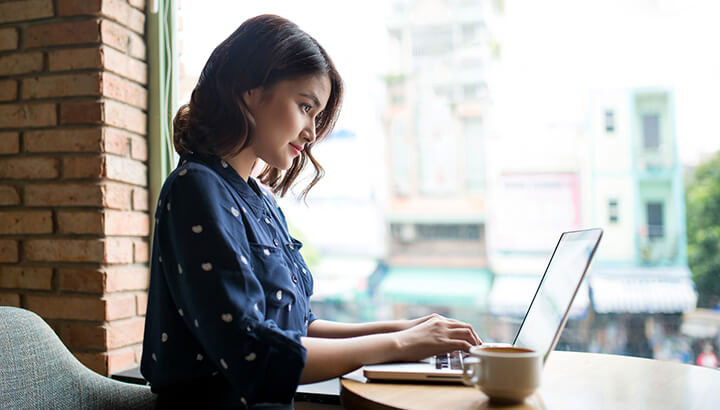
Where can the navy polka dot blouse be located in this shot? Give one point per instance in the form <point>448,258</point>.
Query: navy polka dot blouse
<point>229,292</point>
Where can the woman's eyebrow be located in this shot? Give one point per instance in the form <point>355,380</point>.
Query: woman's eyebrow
<point>311,96</point>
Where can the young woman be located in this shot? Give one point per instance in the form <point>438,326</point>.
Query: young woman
<point>229,321</point>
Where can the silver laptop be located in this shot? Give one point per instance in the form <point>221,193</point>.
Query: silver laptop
<point>543,322</point>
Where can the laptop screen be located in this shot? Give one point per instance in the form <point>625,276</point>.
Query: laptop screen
<point>548,311</point>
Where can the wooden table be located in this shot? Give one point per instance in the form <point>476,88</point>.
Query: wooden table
<point>570,380</point>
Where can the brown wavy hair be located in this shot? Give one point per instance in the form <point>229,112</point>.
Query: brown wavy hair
<point>263,51</point>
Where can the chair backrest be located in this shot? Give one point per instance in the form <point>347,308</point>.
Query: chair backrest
<point>38,371</point>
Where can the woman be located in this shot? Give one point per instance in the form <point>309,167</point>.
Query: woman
<point>228,321</point>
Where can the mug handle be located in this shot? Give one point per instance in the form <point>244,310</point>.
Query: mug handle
<point>470,374</point>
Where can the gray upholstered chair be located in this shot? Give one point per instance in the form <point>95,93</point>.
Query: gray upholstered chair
<point>38,372</point>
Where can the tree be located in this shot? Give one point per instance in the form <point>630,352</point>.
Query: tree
<point>703,230</point>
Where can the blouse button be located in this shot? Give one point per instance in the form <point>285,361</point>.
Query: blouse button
<point>294,278</point>
<point>275,241</point>
<point>267,221</point>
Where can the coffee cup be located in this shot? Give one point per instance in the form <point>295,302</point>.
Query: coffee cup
<point>504,374</point>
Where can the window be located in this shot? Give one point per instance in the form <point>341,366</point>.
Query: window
<point>651,131</point>
<point>655,221</point>
<point>434,232</point>
<point>613,211</point>
<point>609,121</point>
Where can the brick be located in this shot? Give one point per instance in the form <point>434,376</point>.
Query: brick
<point>88,194</point>
<point>125,332</point>
<point>82,280</point>
<point>124,90</point>
<point>118,250</point>
<point>9,195</point>
<point>141,251</point>
<point>80,222</point>
<point>121,359</point>
<point>140,4</point>
<point>62,33</point>
<point>68,85</point>
<point>117,196</point>
<point>124,65</point>
<point>140,199</point>
<point>104,279</point>
<point>64,250</point>
<point>83,167</point>
<point>8,39</point>
<point>139,148</point>
<point>75,58</point>
<point>25,10</point>
<point>121,38</point>
<point>125,14</point>
<point>8,90</point>
<point>21,63</point>
<point>25,222</point>
<point>63,140</point>
<point>9,250</point>
<point>141,303</point>
<point>124,116</point>
<point>27,115</point>
<point>82,335</point>
<point>82,112</point>
<point>125,170</point>
<point>119,306</point>
<point>122,223</point>
<point>123,278</point>
<point>78,8</point>
<point>67,307</point>
<point>29,168</point>
<point>95,361</point>
<point>9,142</point>
<point>26,277</point>
<point>116,141</point>
<point>9,299</point>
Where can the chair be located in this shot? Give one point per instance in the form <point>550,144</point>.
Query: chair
<point>38,372</point>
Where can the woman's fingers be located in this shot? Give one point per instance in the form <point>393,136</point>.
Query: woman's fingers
<point>463,334</point>
<point>460,325</point>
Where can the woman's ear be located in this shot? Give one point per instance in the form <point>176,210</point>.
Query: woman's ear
<point>252,97</point>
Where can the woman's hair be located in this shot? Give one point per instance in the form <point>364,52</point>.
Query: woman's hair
<point>263,51</point>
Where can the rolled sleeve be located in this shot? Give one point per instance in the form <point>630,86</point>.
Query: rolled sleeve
<point>206,268</point>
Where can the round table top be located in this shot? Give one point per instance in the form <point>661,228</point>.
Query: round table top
<point>570,380</point>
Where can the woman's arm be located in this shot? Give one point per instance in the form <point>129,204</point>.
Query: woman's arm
<point>336,330</point>
<point>328,358</point>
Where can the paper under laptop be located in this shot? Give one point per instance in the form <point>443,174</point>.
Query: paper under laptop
<point>544,320</point>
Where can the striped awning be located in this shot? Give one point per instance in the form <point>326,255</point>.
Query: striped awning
<point>637,294</point>
<point>511,296</point>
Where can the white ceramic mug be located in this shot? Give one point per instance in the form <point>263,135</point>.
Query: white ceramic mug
<point>503,373</point>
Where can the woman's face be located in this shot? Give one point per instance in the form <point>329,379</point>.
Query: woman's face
<point>285,117</point>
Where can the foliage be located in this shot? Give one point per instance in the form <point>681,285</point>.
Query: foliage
<point>703,230</point>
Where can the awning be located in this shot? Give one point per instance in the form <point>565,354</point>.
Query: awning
<point>511,296</point>
<point>634,294</point>
<point>436,286</point>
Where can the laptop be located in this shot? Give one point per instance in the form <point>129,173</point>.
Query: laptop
<point>543,322</point>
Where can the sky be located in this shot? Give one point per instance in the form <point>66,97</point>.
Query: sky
<point>552,53</point>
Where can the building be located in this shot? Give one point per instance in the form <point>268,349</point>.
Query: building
<point>437,96</point>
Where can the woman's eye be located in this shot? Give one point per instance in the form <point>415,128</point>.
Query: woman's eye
<point>306,107</point>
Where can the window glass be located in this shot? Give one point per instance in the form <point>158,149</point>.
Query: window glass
<point>474,132</point>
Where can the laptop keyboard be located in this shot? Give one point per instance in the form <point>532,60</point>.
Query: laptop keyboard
<point>452,360</point>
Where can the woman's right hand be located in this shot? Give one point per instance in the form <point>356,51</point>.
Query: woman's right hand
<point>433,335</point>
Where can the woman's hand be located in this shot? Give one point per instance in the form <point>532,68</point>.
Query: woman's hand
<point>434,334</point>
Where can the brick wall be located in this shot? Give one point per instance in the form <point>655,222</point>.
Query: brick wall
<point>74,220</point>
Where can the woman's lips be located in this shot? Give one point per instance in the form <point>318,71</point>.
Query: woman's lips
<point>296,148</point>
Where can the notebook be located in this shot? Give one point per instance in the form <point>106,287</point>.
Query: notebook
<point>543,322</point>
